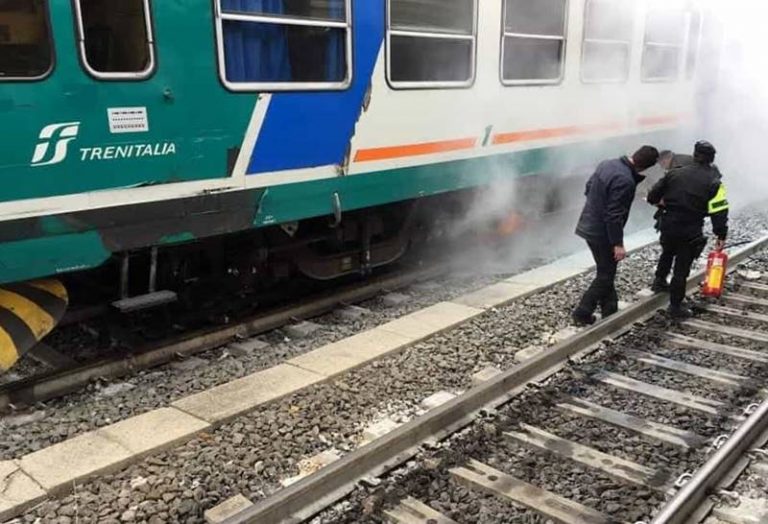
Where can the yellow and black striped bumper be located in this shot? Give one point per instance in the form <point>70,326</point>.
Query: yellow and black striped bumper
<point>28,312</point>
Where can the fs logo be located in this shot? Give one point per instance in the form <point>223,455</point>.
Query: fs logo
<point>54,143</point>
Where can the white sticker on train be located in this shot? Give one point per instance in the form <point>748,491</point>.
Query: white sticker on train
<point>128,120</point>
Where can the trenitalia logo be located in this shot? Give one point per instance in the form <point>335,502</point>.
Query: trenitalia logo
<point>54,143</point>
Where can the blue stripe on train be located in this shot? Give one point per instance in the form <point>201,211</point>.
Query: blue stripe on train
<point>314,129</point>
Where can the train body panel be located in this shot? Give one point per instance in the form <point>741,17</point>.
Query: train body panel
<point>165,129</point>
<point>199,160</point>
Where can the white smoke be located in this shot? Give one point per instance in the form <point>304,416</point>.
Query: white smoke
<point>737,112</point>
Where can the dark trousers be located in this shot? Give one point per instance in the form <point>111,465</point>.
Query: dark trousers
<point>684,250</point>
<point>602,291</point>
<point>667,258</point>
<point>664,266</point>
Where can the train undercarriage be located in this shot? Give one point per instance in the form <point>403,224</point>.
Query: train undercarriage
<point>318,249</point>
<point>232,273</point>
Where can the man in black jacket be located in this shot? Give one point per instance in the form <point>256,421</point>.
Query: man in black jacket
<point>610,193</point>
<point>668,161</point>
<point>690,194</point>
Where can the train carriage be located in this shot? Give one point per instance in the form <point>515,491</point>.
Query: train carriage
<point>146,143</point>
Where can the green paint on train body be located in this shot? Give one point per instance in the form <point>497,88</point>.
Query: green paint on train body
<point>51,255</point>
<point>193,127</point>
<point>63,247</point>
<point>192,120</point>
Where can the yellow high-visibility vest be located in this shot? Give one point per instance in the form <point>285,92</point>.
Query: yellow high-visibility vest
<point>719,202</point>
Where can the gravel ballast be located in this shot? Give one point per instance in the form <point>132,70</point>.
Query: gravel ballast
<point>254,453</point>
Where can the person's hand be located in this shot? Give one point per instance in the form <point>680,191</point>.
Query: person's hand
<point>719,244</point>
<point>619,253</point>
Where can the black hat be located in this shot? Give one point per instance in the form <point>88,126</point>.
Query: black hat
<point>704,148</point>
<point>704,152</point>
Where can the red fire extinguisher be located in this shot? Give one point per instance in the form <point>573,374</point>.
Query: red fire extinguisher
<point>714,281</point>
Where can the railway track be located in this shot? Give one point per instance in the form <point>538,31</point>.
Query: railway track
<point>70,375</point>
<point>550,438</point>
<point>63,374</point>
<point>28,391</point>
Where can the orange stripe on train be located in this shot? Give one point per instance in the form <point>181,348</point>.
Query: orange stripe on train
<point>659,120</point>
<point>430,148</point>
<point>556,132</point>
<point>427,148</point>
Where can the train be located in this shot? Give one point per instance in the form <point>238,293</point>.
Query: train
<point>150,145</point>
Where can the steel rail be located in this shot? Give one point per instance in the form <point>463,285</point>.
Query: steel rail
<point>28,391</point>
<point>318,491</point>
<point>39,388</point>
<point>708,477</point>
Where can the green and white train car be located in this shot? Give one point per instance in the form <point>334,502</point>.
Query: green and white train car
<point>157,141</point>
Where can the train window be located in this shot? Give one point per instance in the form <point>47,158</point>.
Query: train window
<point>116,38</point>
<point>664,30</point>
<point>26,51</point>
<point>608,29</point>
<point>694,41</point>
<point>279,45</point>
<point>533,44</point>
<point>431,43</point>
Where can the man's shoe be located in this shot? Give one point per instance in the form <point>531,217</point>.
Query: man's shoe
<point>581,319</point>
<point>660,285</point>
<point>679,312</point>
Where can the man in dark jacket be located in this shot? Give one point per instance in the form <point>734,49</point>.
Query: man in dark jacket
<point>690,194</point>
<point>668,161</point>
<point>610,193</point>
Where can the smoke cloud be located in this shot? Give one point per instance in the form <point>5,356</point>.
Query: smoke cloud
<point>736,110</point>
<point>731,101</point>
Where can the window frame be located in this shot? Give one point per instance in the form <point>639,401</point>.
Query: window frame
<point>584,41</point>
<point>563,52</point>
<point>691,70</point>
<point>681,57</point>
<point>116,76</point>
<point>431,84</point>
<point>266,87</point>
<point>52,66</point>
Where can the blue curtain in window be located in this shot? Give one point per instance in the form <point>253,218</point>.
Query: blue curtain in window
<point>336,56</point>
<point>255,52</point>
